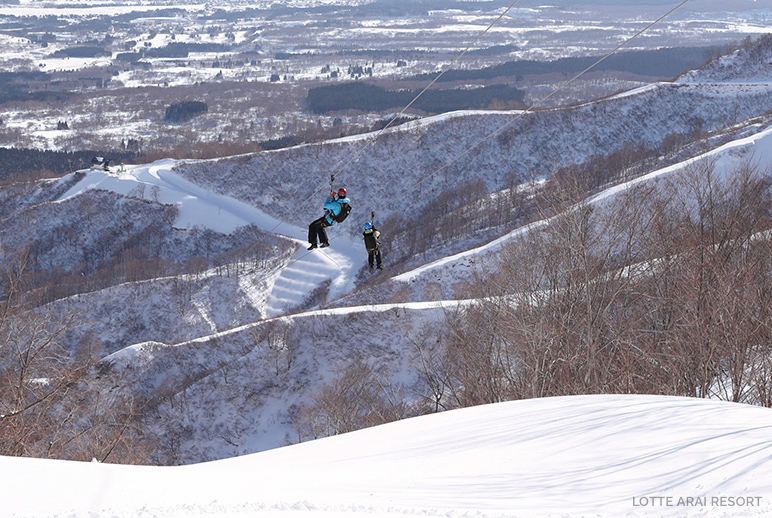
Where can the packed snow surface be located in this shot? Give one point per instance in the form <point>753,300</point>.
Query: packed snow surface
<point>601,455</point>
<point>201,208</point>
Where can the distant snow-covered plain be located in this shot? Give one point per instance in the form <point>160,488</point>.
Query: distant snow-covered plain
<point>314,44</point>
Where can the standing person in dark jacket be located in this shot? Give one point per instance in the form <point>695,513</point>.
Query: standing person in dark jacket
<point>371,235</point>
<point>333,208</point>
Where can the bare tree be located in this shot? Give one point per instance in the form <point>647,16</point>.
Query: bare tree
<point>664,289</point>
<point>720,281</point>
<point>50,406</point>
<point>34,368</point>
<point>355,399</point>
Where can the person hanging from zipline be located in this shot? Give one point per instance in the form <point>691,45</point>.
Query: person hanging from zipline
<point>373,247</point>
<point>336,209</point>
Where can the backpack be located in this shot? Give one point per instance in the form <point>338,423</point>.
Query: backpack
<point>370,242</point>
<point>345,210</point>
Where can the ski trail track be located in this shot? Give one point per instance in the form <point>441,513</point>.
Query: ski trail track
<point>306,271</point>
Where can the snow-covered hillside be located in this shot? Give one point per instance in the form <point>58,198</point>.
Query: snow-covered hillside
<point>256,412</point>
<point>264,291</point>
<point>227,363</point>
<point>600,456</point>
<point>231,345</point>
<point>411,164</point>
<point>753,60</point>
<point>757,149</point>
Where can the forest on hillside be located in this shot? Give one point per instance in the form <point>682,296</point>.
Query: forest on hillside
<point>368,97</point>
<point>663,63</point>
<point>125,338</point>
<point>639,295</point>
<point>22,164</point>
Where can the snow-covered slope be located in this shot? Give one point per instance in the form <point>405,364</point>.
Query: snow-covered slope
<point>757,149</point>
<point>409,165</point>
<point>577,456</point>
<point>242,378</point>
<point>254,413</point>
<point>754,61</point>
<point>201,208</point>
<point>248,381</point>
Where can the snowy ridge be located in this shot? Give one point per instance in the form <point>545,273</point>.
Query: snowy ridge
<point>271,294</point>
<point>158,182</point>
<point>753,60</point>
<point>142,354</point>
<point>758,146</point>
<point>315,351</point>
<point>199,207</point>
<point>601,456</point>
<point>267,424</point>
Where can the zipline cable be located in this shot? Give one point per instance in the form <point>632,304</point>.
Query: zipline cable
<point>378,134</point>
<point>447,67</point>
<point>514,119</point>
<point>530,108</point>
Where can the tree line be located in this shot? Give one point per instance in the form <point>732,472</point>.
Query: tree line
<point>367,97</point>
<point>57,401</point>
<point>184,111</point>
<point>50,404</point>
<point>668,62</point>
<point>665,290</point>
<point>28,86</point>
<point>19,164</point>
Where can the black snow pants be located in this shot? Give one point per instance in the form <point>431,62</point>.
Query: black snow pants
<point>374,254</point>
<point>316,230</point>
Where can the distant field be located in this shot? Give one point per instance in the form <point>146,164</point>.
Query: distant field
<point>81,76</point>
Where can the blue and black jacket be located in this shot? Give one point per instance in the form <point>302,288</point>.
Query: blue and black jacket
<point>332,208</point>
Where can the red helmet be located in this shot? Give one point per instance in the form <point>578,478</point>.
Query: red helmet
<point>342,192</point>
